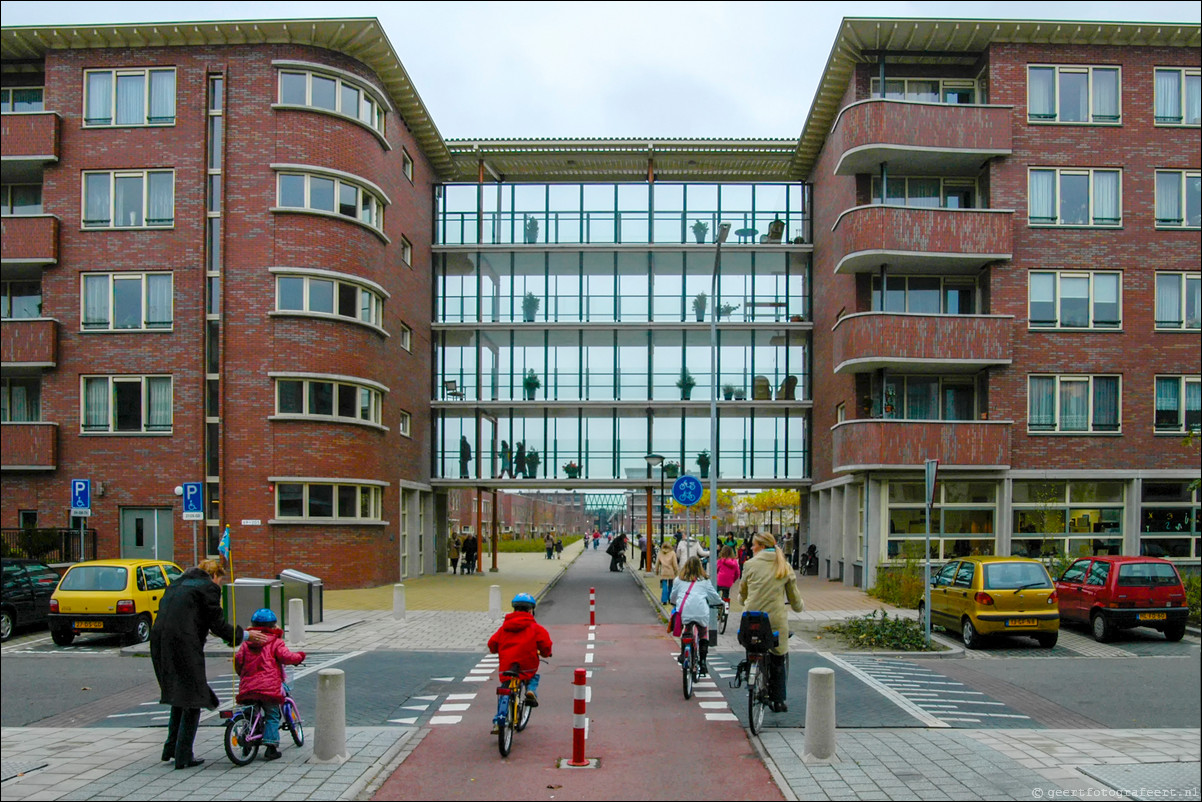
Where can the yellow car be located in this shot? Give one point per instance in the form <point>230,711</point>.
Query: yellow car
<point>110,596</point>
<point>981,596</point>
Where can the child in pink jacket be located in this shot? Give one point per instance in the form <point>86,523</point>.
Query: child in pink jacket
<point>260,665</point>
<point>728,571</point>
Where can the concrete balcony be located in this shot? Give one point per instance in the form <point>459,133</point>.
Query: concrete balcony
<point>29,240</point>
<point>28,140</point>
<point>919,138</point>
<point>868,341</point>
<point>29,446</point>
<point>908,238</point>
<point>874,444</point>
<point>29,343</point>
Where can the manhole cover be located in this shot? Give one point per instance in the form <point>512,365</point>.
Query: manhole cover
<point>15,768</point>
<point>1150,781</point>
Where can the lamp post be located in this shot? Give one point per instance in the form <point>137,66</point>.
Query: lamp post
<point>654,460</point>
<point>720,237</point>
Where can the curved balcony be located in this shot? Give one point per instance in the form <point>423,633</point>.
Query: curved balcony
<point>867,341</point>
<point>29,343</point>
<point>930,240</point>
<point>919,138</point>
<point>29,240</point>
<point>29,446</point>
<point>874,444</point>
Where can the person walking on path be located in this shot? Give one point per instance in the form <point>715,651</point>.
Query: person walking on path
<point>617,553</point>
<point>666,569</point>
<point>506,456</point>
<point>767,582</point>
<point>468,565</point>
<point>690,547</point>
<point>549,544</point>
<point>189,610</point>
<point>559,548</point>
<point>454,553</point>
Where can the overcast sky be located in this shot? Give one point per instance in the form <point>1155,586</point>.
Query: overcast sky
<point>622,69</point>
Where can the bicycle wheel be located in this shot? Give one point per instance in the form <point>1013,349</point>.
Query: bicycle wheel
<point>686,670</point>
<point>292,722</point>
<point>524,711</point>
<point>505,733</point>
<point>238,748</point>
<point>757,696</point>
<point>723,615</point>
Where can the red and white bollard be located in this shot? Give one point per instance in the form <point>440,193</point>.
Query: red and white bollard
<point>592,607</point>
<point>579,719</point>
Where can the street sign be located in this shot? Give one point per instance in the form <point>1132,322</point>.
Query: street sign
<point>81,497</point>
<point>193,501</point>
<point>932,468</point>
<point>687,490</point>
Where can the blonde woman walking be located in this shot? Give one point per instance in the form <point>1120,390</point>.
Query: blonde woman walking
<point>666,569</point>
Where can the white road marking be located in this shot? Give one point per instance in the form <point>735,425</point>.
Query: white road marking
<point>885,691</point>
<point>445,719</point>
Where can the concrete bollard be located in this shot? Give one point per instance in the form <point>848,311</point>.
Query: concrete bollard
<point>820,717</point>
<point>296,622</point>
<point>329,732</point>
<point>494,601</point>
<point>398,602</point>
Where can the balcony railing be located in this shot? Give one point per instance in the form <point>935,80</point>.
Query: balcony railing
<point>32,343</point>
<point>867,341</point>
<point>919,138</point>
<point>29,446</point>
<point>907,238</point>
<point>30,240</point>
<point>872,444</point>
<point>30,137</point>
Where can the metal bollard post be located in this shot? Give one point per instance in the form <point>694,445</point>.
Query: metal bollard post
<point>820,717</point>
<point>592,607</point>
<point>579,720</point>
<point>398,602</point>
<point>494,601</point>
<point>296,622</point>
<point>329,732</point>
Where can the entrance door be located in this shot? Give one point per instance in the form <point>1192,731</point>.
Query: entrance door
<point>144,528</point>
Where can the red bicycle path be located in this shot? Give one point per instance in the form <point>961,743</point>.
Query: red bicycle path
<point>650,743</point>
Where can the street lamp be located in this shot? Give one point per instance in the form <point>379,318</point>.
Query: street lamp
<point>655,460</point>
<point>720,237</point>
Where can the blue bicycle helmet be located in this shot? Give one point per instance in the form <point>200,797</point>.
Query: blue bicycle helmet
<point>263,617</point>
<point>524,601</point>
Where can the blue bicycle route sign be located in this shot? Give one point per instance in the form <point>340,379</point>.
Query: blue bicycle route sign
<point>687,490</point>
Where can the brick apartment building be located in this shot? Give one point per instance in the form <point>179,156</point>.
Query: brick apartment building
<point>230,257</point>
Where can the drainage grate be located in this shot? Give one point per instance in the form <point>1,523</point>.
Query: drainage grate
<point>15,768</point>
<point>1150,781</point>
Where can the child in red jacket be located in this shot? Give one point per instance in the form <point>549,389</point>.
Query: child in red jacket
<point>520,640</point>
<point>260,665</point>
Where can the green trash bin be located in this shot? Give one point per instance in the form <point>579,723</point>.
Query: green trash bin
<point>249,595</point>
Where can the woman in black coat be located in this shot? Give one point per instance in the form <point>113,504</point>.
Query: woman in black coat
<point>469,554</point>
<point>189,611</point>
<point>617,553</point>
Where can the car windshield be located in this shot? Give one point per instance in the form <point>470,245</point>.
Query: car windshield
<point>1140,574</point>
<point>1009,576</point>
<point>95,577</point>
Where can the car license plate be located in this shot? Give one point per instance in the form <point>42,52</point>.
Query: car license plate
<point>1153,616</point>
<point>89,625</point>
<point>1020,622</point>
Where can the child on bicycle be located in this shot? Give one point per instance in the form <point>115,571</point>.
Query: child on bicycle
<point>728,572</point>
<point>260,665</point>
<point>693,594</point>
<point>520,640</point>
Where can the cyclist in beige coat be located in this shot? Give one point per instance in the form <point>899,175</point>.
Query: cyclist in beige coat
<point>767,583</point>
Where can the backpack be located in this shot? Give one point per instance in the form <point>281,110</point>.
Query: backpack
<point>755,631</point>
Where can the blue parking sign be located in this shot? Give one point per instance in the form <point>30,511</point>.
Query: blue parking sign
<point>81,497</point>
<point>687,490</point>
<point>193,498</point>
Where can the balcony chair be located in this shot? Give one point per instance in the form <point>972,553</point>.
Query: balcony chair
<point>451,388</point>
<point>761,389</point>
<point>787,390</point>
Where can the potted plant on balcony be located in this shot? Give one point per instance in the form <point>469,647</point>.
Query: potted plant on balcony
<point>530,229</point>
<point>740,394</point>
<point>530,384</point>
<point>530,306</point>
<point>725,310</point>
<point>703,462</point>
<point>700,228</point>
<point>532,462</point>
<point>699,304</point>
<point>671,469</point>
<point>686,382</point>
<point>570,468</point>
<point>728,391</point>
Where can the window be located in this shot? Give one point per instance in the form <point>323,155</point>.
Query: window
<point>962,521</point>
<point>1178,301</point>
<point>1178,98</point>
<point>929,295</point>
<point>929,397</point>
<point>1178,404</point>
<point>1178,199</point>
<point>126,301</point>
<point>1078,519</point>
<point>927,90</point>
<point>21,98</point>
<point>129,199</point>
<point>21,199</point>
<point>928,193</point>
<point>404,424</point>
<point>329,296</point>
<point>406,337</point>
<point>333,94</point>
<point>139,404</point>
<point>1169,520</point>
<point>330,195</point>
<point>1073,94</point>
<point>1073,404</point>
<point>326,398</point>
<point>21,400</point>
<point>20,300</point>
<point>129,97</point>
<point>1074,197</point>
<point>407,164</point>
<point>406,252</point>
<point>328,501</point>
<point>1064,300</point>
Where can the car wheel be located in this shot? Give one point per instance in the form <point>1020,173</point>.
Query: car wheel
<point>62,637</point>
<point>141,630</point>
<point>6,625</point>
<point>1048,641</point>
<point>972,640</point>
<point>1102,630</point>
<point>1174,632</point>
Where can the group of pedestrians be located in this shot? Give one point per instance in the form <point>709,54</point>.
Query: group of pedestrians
<point>462,552</point>
<point>554,545</point>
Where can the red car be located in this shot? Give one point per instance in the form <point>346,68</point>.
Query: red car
<point>1113,593</point>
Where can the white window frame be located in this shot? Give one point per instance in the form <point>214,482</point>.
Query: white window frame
<point>1184,74</point>
<point>113,176</point>
<point>6,99</point>
<point>369,500</point>
<point>375,394</point>
<point>146,120</point>
<point>374,117</point>
<point>1089,71</point>
<point>6,198</point>
<point>406,251</point>
<point>1185,282</point>
<point>874,88</point>
<point>369,306</point>
<point>369,206</point>
<point>110,408</point>
<point>144,292</point>
<point>32,401</point>
<point>405,424</point>
<point>1183,184</point>
<point>1183,383</point>
<point>1058,277</point>
<point>6,298</point>
<point>407,165</point>
<point>1060,173</point>
<point>1059,381</point>
<point>405,337</point>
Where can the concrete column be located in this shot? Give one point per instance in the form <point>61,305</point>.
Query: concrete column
<point>820,717</point>
<point>494,601</point>
<point>329,732</point>
<point>398,602</point>
<point>296,622</point>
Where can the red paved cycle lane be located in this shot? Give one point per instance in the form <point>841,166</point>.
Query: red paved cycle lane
<point>650,741</point>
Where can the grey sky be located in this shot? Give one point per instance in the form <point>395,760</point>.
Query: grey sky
<point>625,69</point>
